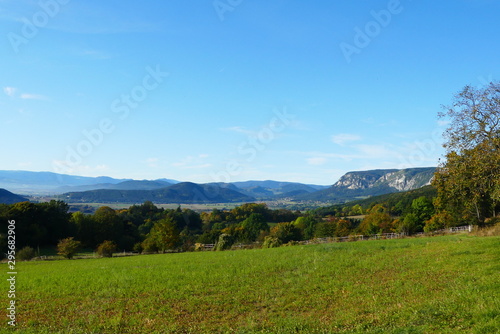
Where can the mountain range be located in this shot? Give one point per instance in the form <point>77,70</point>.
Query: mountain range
<point>78,189</point>
<point>48,183</point>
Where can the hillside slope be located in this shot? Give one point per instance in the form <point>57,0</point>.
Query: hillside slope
<point>6,197</point>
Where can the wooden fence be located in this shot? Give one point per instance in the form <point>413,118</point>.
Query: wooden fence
<point>350,238</point>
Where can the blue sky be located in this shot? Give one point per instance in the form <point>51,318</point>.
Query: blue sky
<point>235,90</point>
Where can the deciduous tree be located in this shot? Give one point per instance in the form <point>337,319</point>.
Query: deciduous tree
<point>68,247</point>
<point>468,181</point>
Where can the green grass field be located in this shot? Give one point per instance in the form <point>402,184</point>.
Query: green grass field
<point>447,284</point>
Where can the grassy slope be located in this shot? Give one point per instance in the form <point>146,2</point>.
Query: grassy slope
<point>430,285</point>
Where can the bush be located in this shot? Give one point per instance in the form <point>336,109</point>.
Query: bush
<point>149,246</point>
<point>26,254</point>
<point>492,221</point>
<point>225,242</point>
<point>68,247</point>
<point>138,247</point>
<point>271,242</point>
<point>437,222</point>
<point>488,231</point>
<point>107,248</point>
<point>286,232</point>
<point>292,243</point>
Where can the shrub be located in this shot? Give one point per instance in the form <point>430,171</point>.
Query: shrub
<point>138,247</point>
<point>149,246</point>
<point>437,222</point>
<point>488,231</point>
<point>492,221</point>
<point>292,243</point>
<point>68,247</point>
<point>271,242</point>
<point>26,254</point>
<point>225,242</point>
<point>286,232</point>
<point>106,248</point>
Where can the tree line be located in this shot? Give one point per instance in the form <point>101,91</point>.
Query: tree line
<point>151,229</point>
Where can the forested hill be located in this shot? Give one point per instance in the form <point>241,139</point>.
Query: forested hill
<point>6,197</point>
<point>185,192</point>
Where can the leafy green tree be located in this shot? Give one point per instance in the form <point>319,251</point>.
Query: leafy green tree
<point>252,226</point>
<point>108,225</point>
<point>244,211</point>
<point>68,247</point>
<point>327,228</point>
<point>138,214</point>
<point>409,224</point>
<point>286,232</point>
<point>30,231</point>
<point>54,217</point>
<point>283,215</point>
<point>356,210</point>
<point>209,237</point>
<point>307,225</point>
<point>163,236</point>
<point>85,228</point>
<point>421,210</point>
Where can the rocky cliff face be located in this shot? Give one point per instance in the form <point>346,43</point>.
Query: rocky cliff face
<point>355,185</point>
<point>399,180</point>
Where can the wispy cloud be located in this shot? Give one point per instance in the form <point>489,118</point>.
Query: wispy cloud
<point>10,91</point>
<point>152,162</point>
<point>344,138</point>
<point>316,161</point>
<point>193,162</point>
<point>81,170</point>
<point>26,96</point>
<point>240,129</point>
<point>96,54</point>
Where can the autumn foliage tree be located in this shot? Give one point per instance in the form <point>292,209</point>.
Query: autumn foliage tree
<point>468,181</point>
<point>107,248</point>
<point>68,247</point>
<point>378,220</point>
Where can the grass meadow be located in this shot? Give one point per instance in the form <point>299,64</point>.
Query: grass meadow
<point>447,284</point>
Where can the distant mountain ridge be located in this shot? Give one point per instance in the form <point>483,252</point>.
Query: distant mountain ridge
<point>27,182</point>
<point>351,186</point>
<point>125,185</point>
